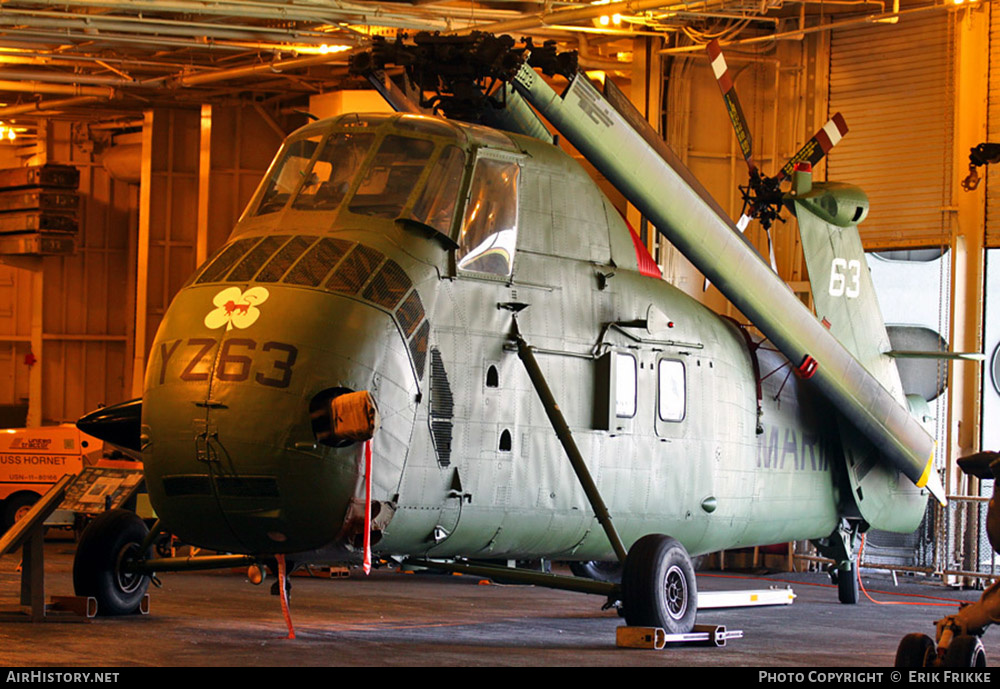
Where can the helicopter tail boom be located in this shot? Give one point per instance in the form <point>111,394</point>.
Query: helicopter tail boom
<point>712,243</point>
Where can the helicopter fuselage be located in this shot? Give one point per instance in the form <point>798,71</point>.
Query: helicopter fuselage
<point>390,254</point>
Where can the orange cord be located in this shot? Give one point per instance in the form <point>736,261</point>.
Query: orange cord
<point>857,571</point>
<point>284,595</point>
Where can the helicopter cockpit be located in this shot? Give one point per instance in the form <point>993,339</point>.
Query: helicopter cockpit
<point>388,166</point>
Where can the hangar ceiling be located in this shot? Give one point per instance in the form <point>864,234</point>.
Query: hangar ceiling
<point>111,59</point>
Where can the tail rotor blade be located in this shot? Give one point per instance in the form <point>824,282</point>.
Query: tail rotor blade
<point>722,75</point>
<point>818,146</point>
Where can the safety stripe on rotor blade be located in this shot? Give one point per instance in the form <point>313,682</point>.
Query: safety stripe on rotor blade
<point>818,146</point>
<point>719,66</point>
<point>732,101</point>
<point>835,130</point>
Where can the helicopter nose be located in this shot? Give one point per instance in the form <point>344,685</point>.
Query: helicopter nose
<point>232,457</point>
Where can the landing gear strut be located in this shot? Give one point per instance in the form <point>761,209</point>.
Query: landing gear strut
<point>840,546</point>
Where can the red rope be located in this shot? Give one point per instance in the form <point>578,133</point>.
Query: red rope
<point>368,507</point>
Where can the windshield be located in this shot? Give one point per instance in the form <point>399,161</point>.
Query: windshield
<point>336,166</point>
<point>398,174</point>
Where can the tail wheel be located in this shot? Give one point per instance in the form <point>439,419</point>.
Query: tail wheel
<point>107,544</point>
<point>915,650</point>
<point>658,585</point>
<point>965,651</point>
<point>847,586</point>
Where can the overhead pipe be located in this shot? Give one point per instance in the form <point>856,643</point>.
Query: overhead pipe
<point>33,76</point>
<point>800,32</point>
<point>40,106</point>
<point>576,14</point>
<point>57,20</point>
<point>67,89</point>
<point>275,67</point>
<point>388,14</point>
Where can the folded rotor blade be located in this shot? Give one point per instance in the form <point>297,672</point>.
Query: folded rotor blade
<point>818,146</point>
<point>721,70</point>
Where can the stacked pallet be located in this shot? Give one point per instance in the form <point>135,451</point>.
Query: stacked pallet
<point>38,206</point>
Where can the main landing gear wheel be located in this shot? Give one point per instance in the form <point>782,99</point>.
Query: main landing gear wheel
<point>108,542</point>
<point>658,585</point>
<point>965,651</point>
<point>915,650</point>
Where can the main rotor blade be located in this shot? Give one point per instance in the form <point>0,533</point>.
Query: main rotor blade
<point>721,70</point>
<point>818,146</point>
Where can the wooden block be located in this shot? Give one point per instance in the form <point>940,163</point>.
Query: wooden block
<point>37,244</point>
<point>37,221</point>
<point>39,199</point>
<point>641,637</point>
<point>54,176</point>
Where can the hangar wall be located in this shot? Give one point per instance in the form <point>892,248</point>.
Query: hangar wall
<point>84,309</point>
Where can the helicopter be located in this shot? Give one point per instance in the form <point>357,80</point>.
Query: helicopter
<point>437,342</point>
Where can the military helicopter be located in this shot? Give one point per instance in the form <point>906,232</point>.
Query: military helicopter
<point>438,342</point>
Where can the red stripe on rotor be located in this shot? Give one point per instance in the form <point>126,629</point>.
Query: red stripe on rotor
<point>713,48</point>
<point>823,140</point>
<point>838,120</point>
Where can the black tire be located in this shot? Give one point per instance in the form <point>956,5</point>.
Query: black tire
<point>598,570</point>
<point>107,541</point>
<point>965,651</point>
<point>915,650</point>
<point>15,507</point>
<point>847,586</point>
<point>658,585</point>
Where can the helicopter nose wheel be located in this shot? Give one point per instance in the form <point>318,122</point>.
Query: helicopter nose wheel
<point>658,585</point>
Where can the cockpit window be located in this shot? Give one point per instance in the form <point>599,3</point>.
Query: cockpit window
<point>391,176</point>
<point>436,205</point>
<point>288,173</point>
<point>225,259</point>
<point>489,230</point>
<point>336,166</point>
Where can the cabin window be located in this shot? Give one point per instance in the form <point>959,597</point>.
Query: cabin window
<point>289,172</point>
<point>489,230</point>
<point>672,389</point>
<point>625,385</point>
<point>436,205</point>
<point>391,176</point>
<point>336,166</point>
<point>492,377</point>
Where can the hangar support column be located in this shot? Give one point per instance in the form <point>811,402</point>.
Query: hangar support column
<point>970,28</point>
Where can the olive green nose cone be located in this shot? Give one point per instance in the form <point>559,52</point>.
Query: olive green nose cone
<point>709,504</point>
